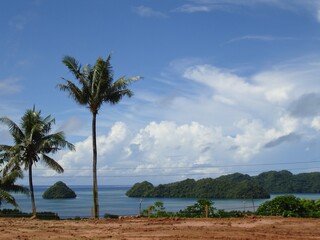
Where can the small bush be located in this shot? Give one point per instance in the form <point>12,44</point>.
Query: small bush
<point>232,214</point>
<point>157,210</point>
<point>286,206</point>
<point>198,209</point>
<point>15,213</point>
<point>108,215</point>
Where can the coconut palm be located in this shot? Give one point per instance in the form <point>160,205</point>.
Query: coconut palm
<point>95,86</point>
<point>7,185</point>
<point>32,143</point>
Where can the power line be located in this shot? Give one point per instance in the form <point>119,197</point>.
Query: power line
<point>167,175</point>
<point>193,167</point>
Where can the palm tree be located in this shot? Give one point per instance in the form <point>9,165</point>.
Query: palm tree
<point>32,143</point>
<point>97,86</point>
<point>7,184</point>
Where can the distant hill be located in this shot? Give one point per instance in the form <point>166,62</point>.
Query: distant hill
<point>234,186</point>
<point>286,182</point>
<point>59,190</point>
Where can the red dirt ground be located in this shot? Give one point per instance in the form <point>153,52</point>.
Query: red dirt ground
<point>163,228</point>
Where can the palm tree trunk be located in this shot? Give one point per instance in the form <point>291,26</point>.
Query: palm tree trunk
<point>94,169</point>
<point>34,211</point>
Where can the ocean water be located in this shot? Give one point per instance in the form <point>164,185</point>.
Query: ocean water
<point>112,199</point>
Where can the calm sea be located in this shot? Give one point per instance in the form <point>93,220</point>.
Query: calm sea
<point>112,199</point>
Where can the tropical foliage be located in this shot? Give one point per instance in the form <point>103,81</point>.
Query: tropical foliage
<point>157,210</point>
<point>199,209</point>
<point>95,85</point>
<point>286,182</point>
<point>231,186</point>
<point>290,206</point>
<point>32,144</point>
<point>235,185</point>
<point>285,206</point>
<point>7,185</point>
<point>15,213</point>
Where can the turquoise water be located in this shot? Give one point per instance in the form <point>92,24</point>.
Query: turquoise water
<point>112,199</point>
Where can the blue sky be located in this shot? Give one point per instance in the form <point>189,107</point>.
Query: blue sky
<point>229,85</point>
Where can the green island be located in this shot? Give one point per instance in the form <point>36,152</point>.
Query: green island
<point>232,186</point>
<point>59,190</point>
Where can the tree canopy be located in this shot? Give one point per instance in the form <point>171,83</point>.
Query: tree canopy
<point>235,185</point>
<point>33,143</point>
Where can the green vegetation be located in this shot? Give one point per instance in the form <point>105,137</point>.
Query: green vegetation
<point>7,185</point>
<point>59,190</point>
<point>108,215</point>
<point>96,87</point>
<point>285,206</point>
<point>197,210</point>
<point>234,186</point>
<point>286,182</point>
<point>33,143</point>
<point>231,186</point>
<point>290,206</point>
<point>15,213</point>
<point>157,210</point>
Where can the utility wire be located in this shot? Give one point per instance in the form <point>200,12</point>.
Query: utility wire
<point>193,167</point>
<point>169,175</point>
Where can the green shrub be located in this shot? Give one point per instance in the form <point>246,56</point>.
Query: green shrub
<point>198,209</point>
<point>286,206</point>
<point>232,214</point>
<point>15,213</point>
<point>157,210</point>
<point>108,215</point>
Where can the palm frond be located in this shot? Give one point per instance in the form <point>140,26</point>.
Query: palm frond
<point>8,198</point>
<point>75,68</point>
<point>19,189</point>
<point>12,163</point>
<point>80,96</point>
<point>73,65</point>
<point>119,89</point>
<point>54,142</point>
<point>87,71</point>
<point>14,129</point>
<point>51,163</point>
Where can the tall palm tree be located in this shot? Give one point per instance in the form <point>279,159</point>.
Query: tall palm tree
<point>95,87</point>
<point>7,185</point>
<point>32,143</point>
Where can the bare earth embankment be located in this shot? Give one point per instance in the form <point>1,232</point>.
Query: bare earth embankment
<point>240,228</point>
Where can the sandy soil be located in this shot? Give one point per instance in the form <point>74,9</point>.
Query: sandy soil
<point>240,228</point>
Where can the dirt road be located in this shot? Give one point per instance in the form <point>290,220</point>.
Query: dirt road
<point>240,228</point>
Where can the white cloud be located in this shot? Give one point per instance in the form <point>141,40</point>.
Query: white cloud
<point>10,86</point>
<point>144,11</point>
<point>189,8</point>
<point>264,38</point>
<point>158,148</point>
<point>224,100</point>
<point>316,123</point>
<point>221,80</point>
<point>218,117</point>
<point>253,136</point>
<point>311,6</point>
<point>279,85</point>
<point>107,145</point>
